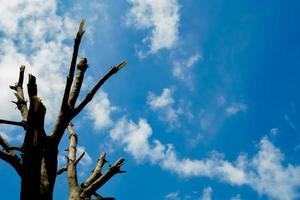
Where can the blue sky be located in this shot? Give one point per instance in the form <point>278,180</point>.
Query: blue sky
<point>207,107</point>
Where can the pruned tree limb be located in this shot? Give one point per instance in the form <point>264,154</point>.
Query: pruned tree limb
<point>31,86</point>
<point>97,172</point>
<point>110,172</point>
<point>76,86</point>
<point>18,88</point>
<point>63,117</point>
<point>91,94</point>
<point>71,166</point>
<point>70,77</point>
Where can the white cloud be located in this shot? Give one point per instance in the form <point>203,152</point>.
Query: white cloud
<point>236,108</point>
<point>265,172</point>
<point>135,138</point>
<point>207,193</point>
<point>164,106</point>
<point>100,109</point>
<point>161,17</point>
<point>182,68</point>
<point>164,100</point>
<point>33,34</point>
<point>172,196</point>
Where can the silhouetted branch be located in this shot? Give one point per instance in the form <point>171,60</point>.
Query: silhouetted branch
<point>13,160</point>
<point>91,94</point>
<point>3,121</point>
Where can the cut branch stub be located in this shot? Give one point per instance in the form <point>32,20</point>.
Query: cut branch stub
<point>76,87</point>
<point>31,86</point>
<point>97,172</point>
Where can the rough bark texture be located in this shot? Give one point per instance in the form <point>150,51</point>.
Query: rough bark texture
<point>36,164</point>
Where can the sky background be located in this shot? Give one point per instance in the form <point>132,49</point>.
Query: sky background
<point>207,107</point>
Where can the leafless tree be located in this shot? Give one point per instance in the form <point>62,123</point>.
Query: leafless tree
<point>36,160</point>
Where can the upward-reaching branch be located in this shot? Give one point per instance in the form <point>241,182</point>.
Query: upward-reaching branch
<point>91,94</point>
<point>81,68</point>
<point>18,88</point>
<point>70,77</point>
<point>110,172</point>
<point>63,117</point>
<point>97,172</point>
<point>71,166</point>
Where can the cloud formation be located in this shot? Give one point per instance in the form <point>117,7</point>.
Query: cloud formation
<point>34,35</point>
<point>265,172</point>
<point>182,68</point>
<point>164,106</point>
<point>161,17</point>
<point>99,110</point>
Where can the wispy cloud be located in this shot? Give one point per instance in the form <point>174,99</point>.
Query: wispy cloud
<point>236,108</point>
<point>161,17</point>
<point>207,193</point>
<point>164,106</point>
<point>264,172</point>
<point>172,196</point>
<point>182,68</point>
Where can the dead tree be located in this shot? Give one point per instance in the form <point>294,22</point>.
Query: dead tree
<point>36,162</point>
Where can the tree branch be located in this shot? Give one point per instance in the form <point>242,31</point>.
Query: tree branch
<point>81,69</point>
<point>64,169</point>
<point>31,86</point>
<point>70,77</point>
<point>79,158</point>
<point>99,197</point>
<point>18,88</point>
<point>71,167</point>
<point>110,172</point>
<point>63,117</point>
<point>96,172</point>
<point>22,123</point>
<point>13,160</point>
<point>91,94</point>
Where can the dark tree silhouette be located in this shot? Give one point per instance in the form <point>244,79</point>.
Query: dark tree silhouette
<point>36,160</point>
